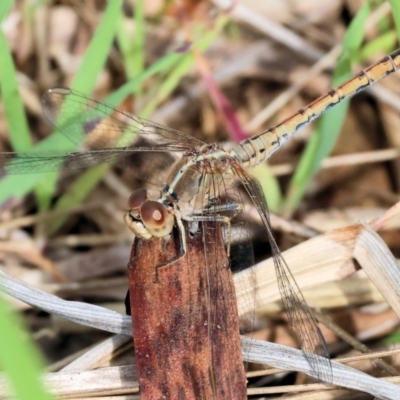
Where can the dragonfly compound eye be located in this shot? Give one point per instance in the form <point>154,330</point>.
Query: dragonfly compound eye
<point>137,198</point>
<point>156,218</point>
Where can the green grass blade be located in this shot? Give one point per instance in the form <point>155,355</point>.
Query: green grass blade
<point>14,110</point>
<point>99,49</point>
<point>92,64</point>
<point>385,43</point>
<point>330,124</point>
<point>77,193</point>
<point>19,357</point>
<point>85,80</point>
<point>269,185</point>
<point>132,47</point>
<point>393,338</point>
<point>395,4</point>
<point>13,107</point>
<point>138,49</point>
<point>5,7</point>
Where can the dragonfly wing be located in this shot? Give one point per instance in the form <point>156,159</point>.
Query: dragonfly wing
<point>299,315</point>
<point>141,147</point>
<point>98,125</point>
<point>219,199</point>
<point>33,162</point>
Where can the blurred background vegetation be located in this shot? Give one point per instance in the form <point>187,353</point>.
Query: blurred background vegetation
<point>216,72</point>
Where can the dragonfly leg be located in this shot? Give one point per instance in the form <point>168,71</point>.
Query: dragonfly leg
<point>232,208</point>
<point>182,248</point>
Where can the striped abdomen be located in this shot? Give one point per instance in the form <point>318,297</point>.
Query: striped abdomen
<point>257,149</point>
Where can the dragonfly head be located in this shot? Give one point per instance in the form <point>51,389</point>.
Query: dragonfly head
<point>148,218</point>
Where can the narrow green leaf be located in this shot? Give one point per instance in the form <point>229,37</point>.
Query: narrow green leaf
<point>330,124</point>
<point>5,7</point>
<point>384,43</point>
<point>270,186</point>
<point>138,39</point>
<point>395,4</point>
<point>13,107</point>
<point>132,44</point>
<point>77,193</point>
<point>85,80</point>
<point>393,338</point>
<point>19,357</point>
<point>98,50</point>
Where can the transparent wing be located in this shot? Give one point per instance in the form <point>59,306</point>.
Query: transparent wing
<point>99,125</point>
<point>110,135</point>
<point>299,315</point>
<point>33,162</point>
<point>220,201</point>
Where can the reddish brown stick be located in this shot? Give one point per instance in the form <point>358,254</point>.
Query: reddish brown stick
<point>186,332</point>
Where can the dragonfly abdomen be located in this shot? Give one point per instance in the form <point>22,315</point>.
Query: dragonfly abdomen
<point>257,149</point>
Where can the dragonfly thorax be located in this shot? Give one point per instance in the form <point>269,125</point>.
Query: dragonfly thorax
<point>189,173</point>
<point>148,218</point>
<point>212,159</point>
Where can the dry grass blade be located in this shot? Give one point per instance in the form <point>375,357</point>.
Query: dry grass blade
<point>322,259</point>
<point>356,344</point>
<point>377,261</point>
<point>270,28</point>
<point>103,381</point>
<point>97,355</point>
<point>123,397</point>
<point>75,311</point>
<point>342,374</point>
<point>375,156</point>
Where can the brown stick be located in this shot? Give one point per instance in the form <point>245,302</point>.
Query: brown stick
<point>185,325</point>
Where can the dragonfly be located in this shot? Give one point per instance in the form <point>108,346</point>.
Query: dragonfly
<point>198,175</point>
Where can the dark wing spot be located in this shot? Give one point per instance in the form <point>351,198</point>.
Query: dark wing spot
<point>89,126</point>
<point>183,48</point>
